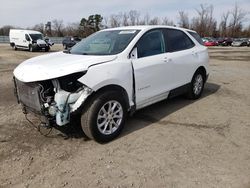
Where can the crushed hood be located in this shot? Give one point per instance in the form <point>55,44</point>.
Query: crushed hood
<point>55,65</point>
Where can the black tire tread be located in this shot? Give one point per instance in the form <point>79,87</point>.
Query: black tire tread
<point>190,94</point>
<point>88,111</point>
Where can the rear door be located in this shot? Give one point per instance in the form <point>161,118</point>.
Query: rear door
<point>182,56</point>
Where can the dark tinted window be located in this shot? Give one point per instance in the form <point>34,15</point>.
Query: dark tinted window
<point>177,40</point>
<point>196,36</point>
<point>151,43</point>
<point>35,37</point>
<point>27,37</point>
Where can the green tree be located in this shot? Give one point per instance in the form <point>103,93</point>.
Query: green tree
<point>91,25</point>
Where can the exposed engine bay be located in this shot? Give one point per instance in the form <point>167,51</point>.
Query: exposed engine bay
<point>53,99</point>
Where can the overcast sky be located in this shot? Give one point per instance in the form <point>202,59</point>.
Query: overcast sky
<point>26,13</point>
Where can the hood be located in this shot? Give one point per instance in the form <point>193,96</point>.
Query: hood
<point>55,65</point>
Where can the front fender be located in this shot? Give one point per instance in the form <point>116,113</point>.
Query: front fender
<point>111,73</point>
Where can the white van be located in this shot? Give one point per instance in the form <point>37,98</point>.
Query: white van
<point>27,39</point>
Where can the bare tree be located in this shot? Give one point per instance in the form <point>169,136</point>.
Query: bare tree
<point>115,20</point>
<point>72,29</point>
<point>224,24</point>
<point>238,17</point>
<point>5,30</point>
<point>145,20</point>
<point>125,19</point>
<point>183,19</point>
<point>154,21</point>
<point>39,27</point>
<point>58,26</point>
<point>134,17</point>
<point>204,23</point>
<point>166,21</point>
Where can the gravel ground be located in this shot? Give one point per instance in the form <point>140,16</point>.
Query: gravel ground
<point>174,143</point>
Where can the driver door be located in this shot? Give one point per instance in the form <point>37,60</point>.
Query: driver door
<point>151,68</point>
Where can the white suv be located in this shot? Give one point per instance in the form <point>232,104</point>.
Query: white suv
<point>110,74</point>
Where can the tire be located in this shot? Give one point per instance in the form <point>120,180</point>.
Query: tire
<point>99,112</point>
<point>47,49</point>
<point>31,49</point>
<point>196,86</point>
<point>14,46</point>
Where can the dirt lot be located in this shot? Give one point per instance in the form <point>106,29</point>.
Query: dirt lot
<point>174,143</point>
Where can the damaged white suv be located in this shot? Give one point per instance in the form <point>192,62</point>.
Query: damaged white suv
<point>110,74</point>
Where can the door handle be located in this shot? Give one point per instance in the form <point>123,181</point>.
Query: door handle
<point>194,53</point>
<point>167,60</point>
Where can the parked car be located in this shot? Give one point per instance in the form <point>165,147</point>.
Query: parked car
<point>225,41</point>
<point>28,39</point>
<point>240,42</point>
<point>209,41</point>
<point>69,42</point>
<point>110,74</point>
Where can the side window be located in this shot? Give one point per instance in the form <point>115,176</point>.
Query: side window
<point>196,36</point>
<point>177,40</point>
<point>151,43</point>
<point>27,37</point>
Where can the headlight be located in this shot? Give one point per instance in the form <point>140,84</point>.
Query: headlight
<point>52,110</point>
<point>69,82</point>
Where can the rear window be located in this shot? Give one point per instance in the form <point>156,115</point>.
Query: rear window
<point>178,40</point>
<point>196,36</point>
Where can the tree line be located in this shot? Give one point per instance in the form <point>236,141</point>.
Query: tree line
<point>230,25</point>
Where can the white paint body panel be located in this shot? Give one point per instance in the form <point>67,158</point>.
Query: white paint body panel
<point>154,76</point>
<point>55,65</point>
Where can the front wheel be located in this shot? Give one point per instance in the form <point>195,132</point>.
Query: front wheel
<point>47,49</point>
<point>196,86</point>
<point>31,48</point>
<point>103,119</point>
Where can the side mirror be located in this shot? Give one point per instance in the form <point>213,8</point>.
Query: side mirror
<point>133,54</point>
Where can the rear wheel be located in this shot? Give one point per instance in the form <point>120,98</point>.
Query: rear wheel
<point>103,119</point>
<point>14,46</point>
<point>196,86</point>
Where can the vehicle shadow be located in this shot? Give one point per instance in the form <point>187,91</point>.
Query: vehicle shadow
<point>154,113</point>
<point>144,117</point>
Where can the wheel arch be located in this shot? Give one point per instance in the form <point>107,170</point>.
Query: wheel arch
<point>117,88</point>
<point>203,70</point>
<point>111,87</point>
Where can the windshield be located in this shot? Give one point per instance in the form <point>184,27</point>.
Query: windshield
<point>105,42</point>
<point>36,36</point>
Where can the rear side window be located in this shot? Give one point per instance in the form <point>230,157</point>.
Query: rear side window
<point>177,40</point>
<point>196,36</point>
<point>151,43</point>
